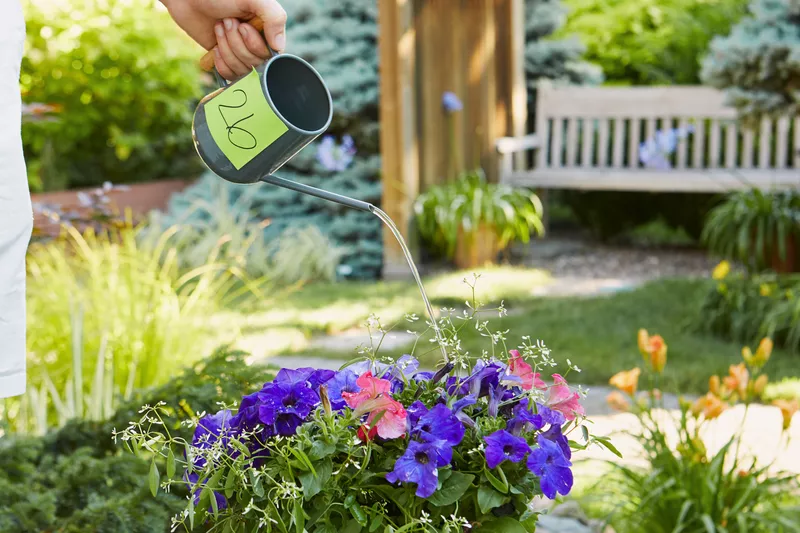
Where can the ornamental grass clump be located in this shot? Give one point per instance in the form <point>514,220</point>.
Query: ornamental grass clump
<point>381,445</point>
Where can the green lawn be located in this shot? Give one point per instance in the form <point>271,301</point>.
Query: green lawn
<point>597,334</point>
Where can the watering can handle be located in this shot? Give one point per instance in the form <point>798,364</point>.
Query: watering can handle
<point>207,61</point>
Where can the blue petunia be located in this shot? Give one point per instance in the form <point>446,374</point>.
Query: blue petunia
<point>458,410</point>
<point>550,416</point>
<point>502,445</point>
<point>547,461</point>
<point>439,424</point>
<point>420,464</point>
<point>212,428</point>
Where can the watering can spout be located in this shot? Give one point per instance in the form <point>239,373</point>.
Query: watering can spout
<point>319,193</point>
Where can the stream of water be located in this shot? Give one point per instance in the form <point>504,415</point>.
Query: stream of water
<point>407,253</point>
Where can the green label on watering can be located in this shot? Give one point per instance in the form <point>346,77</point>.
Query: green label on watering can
<point>241,121</point>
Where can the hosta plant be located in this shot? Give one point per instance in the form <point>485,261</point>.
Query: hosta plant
<point>470,205</point>
<point>380,445</point>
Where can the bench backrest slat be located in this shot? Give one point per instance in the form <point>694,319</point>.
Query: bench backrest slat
<point>603,127</point>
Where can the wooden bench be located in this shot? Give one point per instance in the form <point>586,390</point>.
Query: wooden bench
<point>590,137</point>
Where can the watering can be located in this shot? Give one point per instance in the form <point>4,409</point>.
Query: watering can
<point>246,130</point>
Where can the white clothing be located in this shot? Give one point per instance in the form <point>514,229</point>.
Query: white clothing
<point>16,218</point>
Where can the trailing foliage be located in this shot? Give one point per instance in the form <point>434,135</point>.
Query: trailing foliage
<point>73,481</point>
<point>758,64</point>
<point>125,78</point>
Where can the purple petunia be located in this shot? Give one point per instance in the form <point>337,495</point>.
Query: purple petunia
<point>420,464</point>
<point>553,469</point>
<point>451,102</point>
<point>460,405</point>
<point>212,428</point>
<point>554,434</point>
<point>524,419</point>
<point>502,445</point>
<point>439,424</point>
<point>343,381</point>
<point>414,412</point>
<point>247,417</point>
<point>286,406</point>
<point>312,376</point>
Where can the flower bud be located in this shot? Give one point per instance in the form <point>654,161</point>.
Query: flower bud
<point>760,384</point>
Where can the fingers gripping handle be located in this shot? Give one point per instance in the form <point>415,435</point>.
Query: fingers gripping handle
<point>207,61</point>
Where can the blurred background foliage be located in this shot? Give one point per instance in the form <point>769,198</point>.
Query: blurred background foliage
<point>126,82</point>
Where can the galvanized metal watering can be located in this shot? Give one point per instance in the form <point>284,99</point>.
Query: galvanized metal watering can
<point>247,130</point>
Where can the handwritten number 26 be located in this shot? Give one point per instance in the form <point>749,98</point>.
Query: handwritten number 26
<point>237,135</point>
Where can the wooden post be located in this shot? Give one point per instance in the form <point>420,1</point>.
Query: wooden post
<point>398,125</point>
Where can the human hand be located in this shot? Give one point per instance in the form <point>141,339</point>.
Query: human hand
<point>238,46</point>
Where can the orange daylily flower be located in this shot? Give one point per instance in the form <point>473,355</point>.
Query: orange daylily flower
<point>709,405</point>
<point>737,379</point>
<point>627,381</point>
<point>617,401</point>
<point>788,409</point>
<point>653,349</point>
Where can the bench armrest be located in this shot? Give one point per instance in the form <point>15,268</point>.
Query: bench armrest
<point>510,145</point>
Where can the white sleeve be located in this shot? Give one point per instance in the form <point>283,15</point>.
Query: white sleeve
<point>16,218</point>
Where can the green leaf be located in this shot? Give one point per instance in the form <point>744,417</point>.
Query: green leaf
<point>377,521</point>
<point>312,484</point>
<point>606,443</point>
<point>352,527</point>
<point>708,524</point>
<point>230,483</point>
<point>212,498</point>
<point>488,499</point>
<point>502,525</point>
<point>496,483</point>
<point>154,477</point>
<point>170,464</point>
<point>299,516</point>
<point>452,489</point>
<point>303,458</point>
<point>191,513</point>
<point>321,449</point>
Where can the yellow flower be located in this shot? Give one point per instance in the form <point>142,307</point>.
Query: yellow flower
<point>617,401</point>
<point>627,381</point>
<point>763,351</point>
<point>721,271</point>
<point>737,380</point>
<point>713,385</point>
<point>765,289</point>
<point>747,355</point>
<point>644,341</point>
<point>788,409</point>
<point>709,405</point>
<point>760,384</point>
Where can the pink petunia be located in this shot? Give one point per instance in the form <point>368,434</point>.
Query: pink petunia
<point>375,399</point>
<point>371,387</point>
<point>518,367</point>
<point>563,400</point>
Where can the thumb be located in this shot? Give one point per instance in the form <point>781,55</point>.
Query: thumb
<point>274,17</point>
